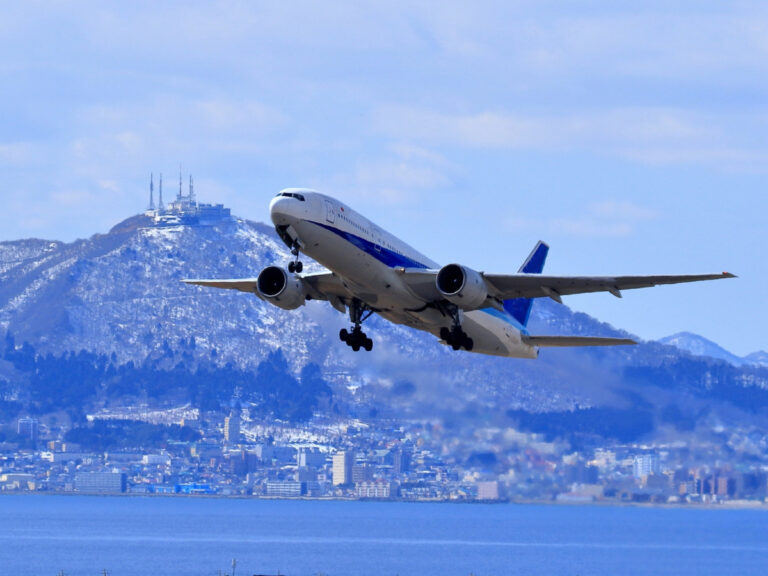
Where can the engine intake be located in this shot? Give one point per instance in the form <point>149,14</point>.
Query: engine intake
<point>276,286</point>
<point>462,286</point>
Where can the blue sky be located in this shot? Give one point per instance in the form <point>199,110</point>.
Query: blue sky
<point>633,137</point>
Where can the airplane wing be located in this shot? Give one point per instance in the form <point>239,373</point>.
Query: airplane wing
<point>508,286</point>
<point>537,285</point>
<point>319,285</point>
<point>242,284</point>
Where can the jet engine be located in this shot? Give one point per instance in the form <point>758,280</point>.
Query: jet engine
<point>462,286</point>
<point>277,287</point>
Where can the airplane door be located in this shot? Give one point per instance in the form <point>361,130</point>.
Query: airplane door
<point>330,213</point>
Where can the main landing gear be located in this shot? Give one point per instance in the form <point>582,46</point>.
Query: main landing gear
<point>455,337</point>
<point>295,265</point>
<point>358,313</point>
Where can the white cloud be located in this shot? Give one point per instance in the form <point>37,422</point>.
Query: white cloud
<point>400,177</point>
<point>652,135</point>
<point>606,219</point>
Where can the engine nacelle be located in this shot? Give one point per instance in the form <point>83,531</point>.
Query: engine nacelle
<point>462,286</point>
<point>277,287</point>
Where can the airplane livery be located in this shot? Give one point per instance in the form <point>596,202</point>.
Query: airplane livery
<point>372,271</point>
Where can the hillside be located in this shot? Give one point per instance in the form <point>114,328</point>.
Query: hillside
<point>119,295</point>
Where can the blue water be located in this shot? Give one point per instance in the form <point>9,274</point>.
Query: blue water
<point>81,535</point>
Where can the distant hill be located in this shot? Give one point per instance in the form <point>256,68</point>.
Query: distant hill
<point>119,295</point>
<point>700,346</point>
<point>757,358</point>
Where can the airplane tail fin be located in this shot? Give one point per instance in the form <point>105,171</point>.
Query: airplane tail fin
<point>520,308</point>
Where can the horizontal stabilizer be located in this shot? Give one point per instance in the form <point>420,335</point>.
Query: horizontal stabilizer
<point>565,341</point>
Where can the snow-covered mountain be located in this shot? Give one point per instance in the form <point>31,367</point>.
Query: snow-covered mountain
<point>121,294</point>
<point>757,358</point>
<point>700,346</point>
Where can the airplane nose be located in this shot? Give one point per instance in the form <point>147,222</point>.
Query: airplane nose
<point>279,210</point>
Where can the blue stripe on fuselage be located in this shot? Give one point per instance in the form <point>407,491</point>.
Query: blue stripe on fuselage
<point>380,253</point>
<point>393,259</point>
<point>504,317</point>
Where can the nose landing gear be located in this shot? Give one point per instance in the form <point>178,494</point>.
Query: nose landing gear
<point>295,265</point>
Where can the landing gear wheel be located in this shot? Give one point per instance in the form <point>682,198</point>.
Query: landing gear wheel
<point>456,338</point>
<point>296,265</point>
<point>356,339</point>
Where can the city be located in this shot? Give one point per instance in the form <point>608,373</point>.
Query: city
<point>414,461</point>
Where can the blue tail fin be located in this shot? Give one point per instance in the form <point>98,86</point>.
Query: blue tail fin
<point>520,308</point>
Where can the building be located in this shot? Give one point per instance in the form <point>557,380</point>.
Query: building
<point>184,209</point>
<point>285,489</point>
<point>645,465</point>
<point>100,482</point>
<point>373,489</point>
<point>362,473</point>
<point>342,467</point>
<point>401,461</point>
<point>28,428</point>
<point>310,458</point>
<point>232,428</point>
<point>488,490</point>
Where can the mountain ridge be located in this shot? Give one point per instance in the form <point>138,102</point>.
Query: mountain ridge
<point>700,346</point>
<point>120,295</point>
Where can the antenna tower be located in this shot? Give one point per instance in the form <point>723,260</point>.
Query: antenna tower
<point>160,205</point>
<point>151,192</point>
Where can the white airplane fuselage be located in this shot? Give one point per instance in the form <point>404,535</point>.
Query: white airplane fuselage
<point>370,263</point>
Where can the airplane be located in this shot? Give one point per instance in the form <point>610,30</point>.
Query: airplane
<point>372,271</point>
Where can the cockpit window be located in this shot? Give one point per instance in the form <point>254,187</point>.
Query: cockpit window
<point>299,197</point>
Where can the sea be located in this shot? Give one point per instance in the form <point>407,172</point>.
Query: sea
<point>74,535</point>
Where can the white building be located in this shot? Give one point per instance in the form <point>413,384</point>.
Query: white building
<point>342,467</point>
<point>645,464</point>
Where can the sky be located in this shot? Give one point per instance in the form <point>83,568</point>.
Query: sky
<point>631,136</point>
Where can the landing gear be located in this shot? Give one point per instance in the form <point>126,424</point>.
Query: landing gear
<point>358,313</point>
<point>295,265</point>
<point>356,339</point>
<point>455,337</point>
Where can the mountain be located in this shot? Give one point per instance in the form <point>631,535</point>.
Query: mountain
<point>757,358</point>
<point>119,296</point>
<point>700,346</point>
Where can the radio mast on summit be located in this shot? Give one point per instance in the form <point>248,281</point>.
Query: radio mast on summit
<point>151,192</point>
<point>160,205</point>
